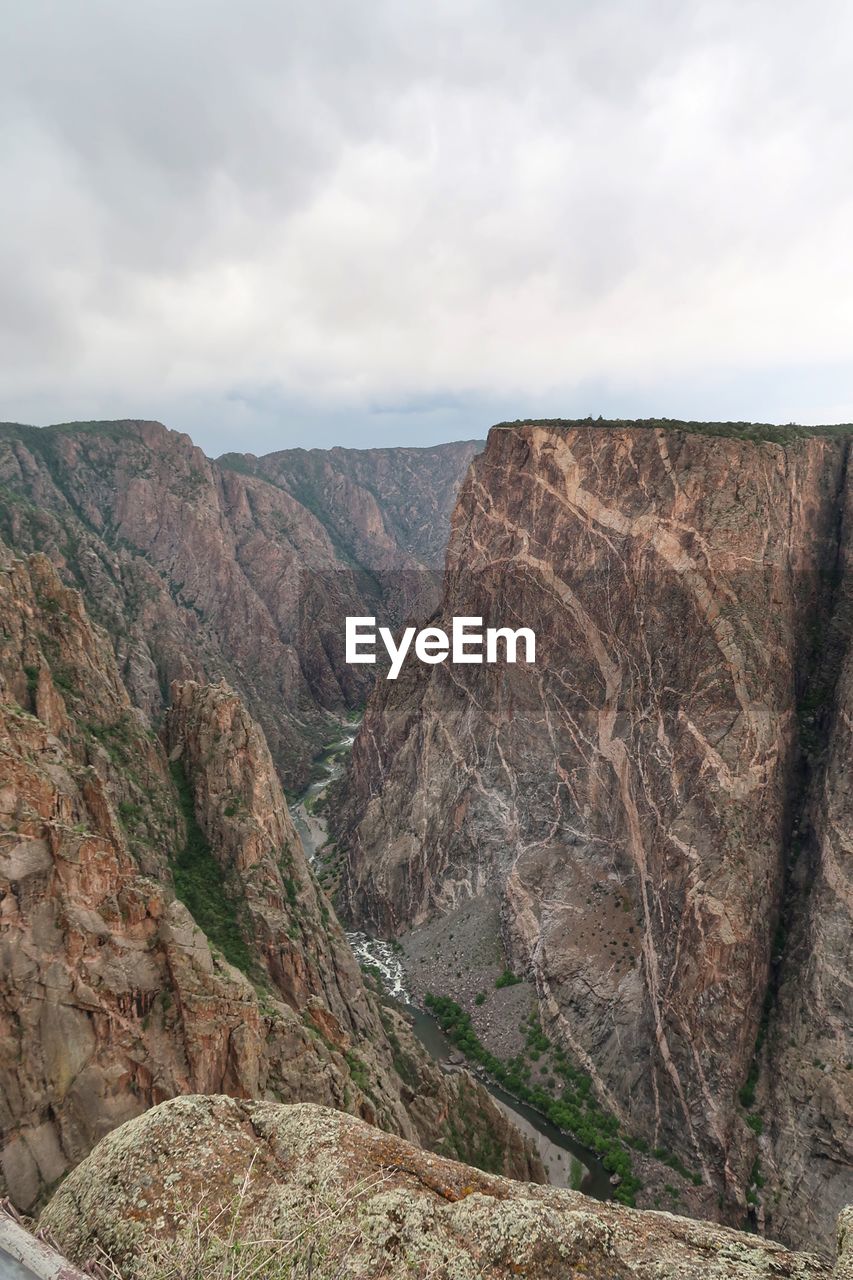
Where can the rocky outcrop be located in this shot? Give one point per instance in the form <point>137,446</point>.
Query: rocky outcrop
<point>295,946</point>
<point>628,802</point>
<point>112,997</point>
<point>327,1193</point>
<point>284,919</point>
<point>240,571</point>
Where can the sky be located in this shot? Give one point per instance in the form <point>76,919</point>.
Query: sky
<point>272,224</point>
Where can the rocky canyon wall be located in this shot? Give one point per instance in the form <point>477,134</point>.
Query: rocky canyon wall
<point>377,503</point>
<point>631,802</point>
<point>116,991</point>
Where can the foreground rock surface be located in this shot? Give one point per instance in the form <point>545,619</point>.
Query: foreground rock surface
<point>359,1203</point>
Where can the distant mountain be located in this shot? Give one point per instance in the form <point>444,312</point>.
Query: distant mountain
<point>242,568</point>
<point>378,506</point>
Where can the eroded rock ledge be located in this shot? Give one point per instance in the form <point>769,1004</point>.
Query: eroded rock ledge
<point>362,1203</point>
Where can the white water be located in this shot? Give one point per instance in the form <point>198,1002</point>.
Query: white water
<point>557,1150</point>
<point>314,832</point>
<point>383,956</point>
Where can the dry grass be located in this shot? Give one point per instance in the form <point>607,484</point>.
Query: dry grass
<point>234,1241</point>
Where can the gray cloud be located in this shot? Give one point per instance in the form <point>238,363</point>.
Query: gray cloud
<point>253,219</point>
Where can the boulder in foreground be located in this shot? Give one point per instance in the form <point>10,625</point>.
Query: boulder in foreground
<point>204,1186</point>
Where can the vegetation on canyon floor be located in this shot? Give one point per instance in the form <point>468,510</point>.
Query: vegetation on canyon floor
<point>576,1110</point>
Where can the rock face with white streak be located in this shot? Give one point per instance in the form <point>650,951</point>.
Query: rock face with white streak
<point>631,801</point>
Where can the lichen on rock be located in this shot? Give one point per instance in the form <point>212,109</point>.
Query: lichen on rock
<point>324,1187</point>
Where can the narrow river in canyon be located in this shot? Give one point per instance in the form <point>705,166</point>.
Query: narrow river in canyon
<point>568,1164</point>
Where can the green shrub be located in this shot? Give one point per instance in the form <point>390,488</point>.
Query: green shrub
<point>63,682</point>
<point>358,1070</point>
<point>198,884</point>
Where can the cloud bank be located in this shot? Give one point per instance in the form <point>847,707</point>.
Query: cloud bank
<point>272,223</point>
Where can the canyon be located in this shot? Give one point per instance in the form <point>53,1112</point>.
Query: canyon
<point>619,876</point>
<point>160,930</point>
<point>649,830</point>
<point>238,569</point>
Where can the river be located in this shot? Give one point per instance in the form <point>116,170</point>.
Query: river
<point>567,1163</point>
<point>313,829</point>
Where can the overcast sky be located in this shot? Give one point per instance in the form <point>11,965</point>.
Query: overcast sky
<point>269,223</point>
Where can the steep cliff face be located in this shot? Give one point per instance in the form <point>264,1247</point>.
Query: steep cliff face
<point>112,997</point>
<point>284,921</point>
<point>242,571</point>
<point>805,1085</point>
<point>627,802</point>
